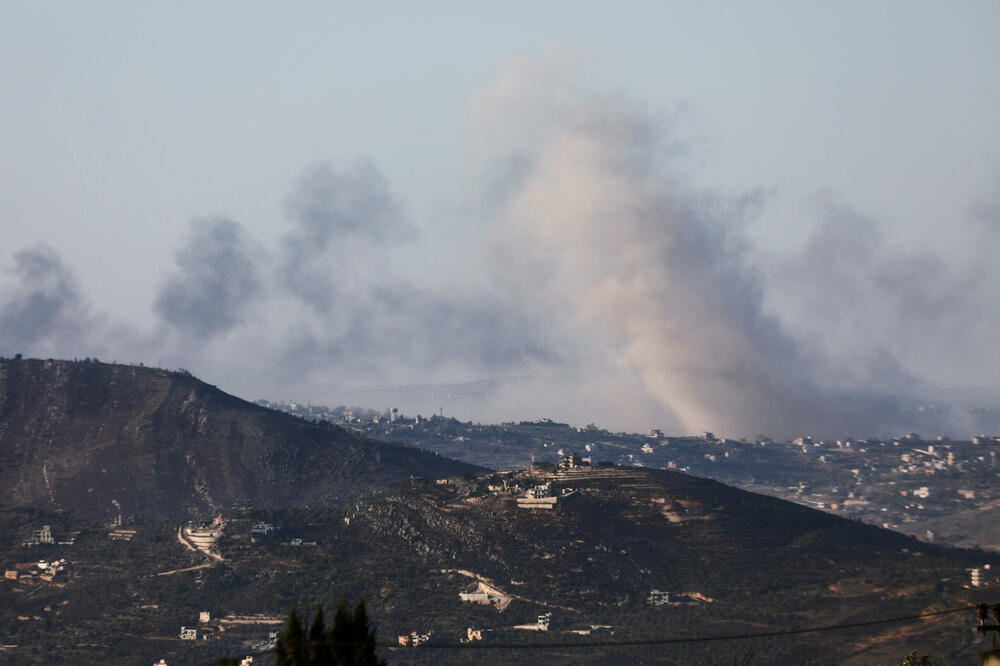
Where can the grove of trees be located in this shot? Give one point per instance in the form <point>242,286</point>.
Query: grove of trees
<point>348,641</point>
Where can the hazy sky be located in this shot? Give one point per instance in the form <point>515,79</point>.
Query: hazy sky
<point>295,199</point>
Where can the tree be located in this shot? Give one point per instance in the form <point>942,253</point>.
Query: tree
<point>363,640</point>
<point>351,638</point>
<point>319,649</point>
<point>340,637</point>
<point>349,641</point>
<point>291,645</point>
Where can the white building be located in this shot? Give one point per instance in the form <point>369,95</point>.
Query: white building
<point>658,597</point>
<point>540,492</point>
<point>43,535</point>
<point>543,497</point>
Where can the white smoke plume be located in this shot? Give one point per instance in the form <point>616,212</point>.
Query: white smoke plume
<point>600,232</point>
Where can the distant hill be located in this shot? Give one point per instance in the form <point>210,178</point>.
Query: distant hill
<point>95,440</point>
<point>975,528</point>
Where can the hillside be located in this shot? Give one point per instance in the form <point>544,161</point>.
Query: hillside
<point>101,440</point>
<point>724,562</point>
<point>307,512</point>
<point>967,529</point>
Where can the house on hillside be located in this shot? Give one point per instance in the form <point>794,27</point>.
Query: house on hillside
<point>658,597</point>
<point>473,634</point>
<point>40,536</point>
<point>543,497</point>
<point>572,461</point>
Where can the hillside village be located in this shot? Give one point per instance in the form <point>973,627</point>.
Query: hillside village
<point>898,483</point>
<point>559,548</point>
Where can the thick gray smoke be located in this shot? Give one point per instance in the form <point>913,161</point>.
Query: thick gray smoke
<point>343,220</point>
<point>885,318</point>
<point>336,313</point>
<point>43,311</point>
<point>215,280</point>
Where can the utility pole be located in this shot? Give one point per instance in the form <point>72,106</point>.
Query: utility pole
<point>990,657</point>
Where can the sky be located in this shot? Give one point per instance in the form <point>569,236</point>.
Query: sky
<point>744,217</point>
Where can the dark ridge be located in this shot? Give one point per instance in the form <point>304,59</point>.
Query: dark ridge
<point>98,440</point>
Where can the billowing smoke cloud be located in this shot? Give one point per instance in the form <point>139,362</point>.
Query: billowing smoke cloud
<point>600,232</point>
<point>336,312</point>
<point>341,219</point>
<point>397,332</point>
<point>627,295</point>
<point>602,229</point>
<point>43,311</point>
<point>216,279</point>
<point>888,319</point>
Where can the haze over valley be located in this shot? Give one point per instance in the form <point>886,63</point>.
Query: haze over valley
<point>577,333</point>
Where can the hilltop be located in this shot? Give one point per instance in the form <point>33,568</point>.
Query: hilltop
<point>103,440</point>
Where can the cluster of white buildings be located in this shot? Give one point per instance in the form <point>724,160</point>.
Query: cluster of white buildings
<point>42,569</point>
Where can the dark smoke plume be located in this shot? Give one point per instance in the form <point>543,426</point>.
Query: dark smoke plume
<point>44,311</point>
<point>216,279</point>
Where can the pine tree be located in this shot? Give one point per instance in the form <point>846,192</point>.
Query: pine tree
<point>365,636</point>
<point>340,638</point>
<point>351,639</point>
<point>291,644</point>
<point>319,649</point>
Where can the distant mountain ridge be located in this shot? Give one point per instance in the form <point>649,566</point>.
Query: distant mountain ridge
<point>98,440</point>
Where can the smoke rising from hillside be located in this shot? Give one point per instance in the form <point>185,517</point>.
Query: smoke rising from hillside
<point>622,288</point>
<point>601,229</point>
